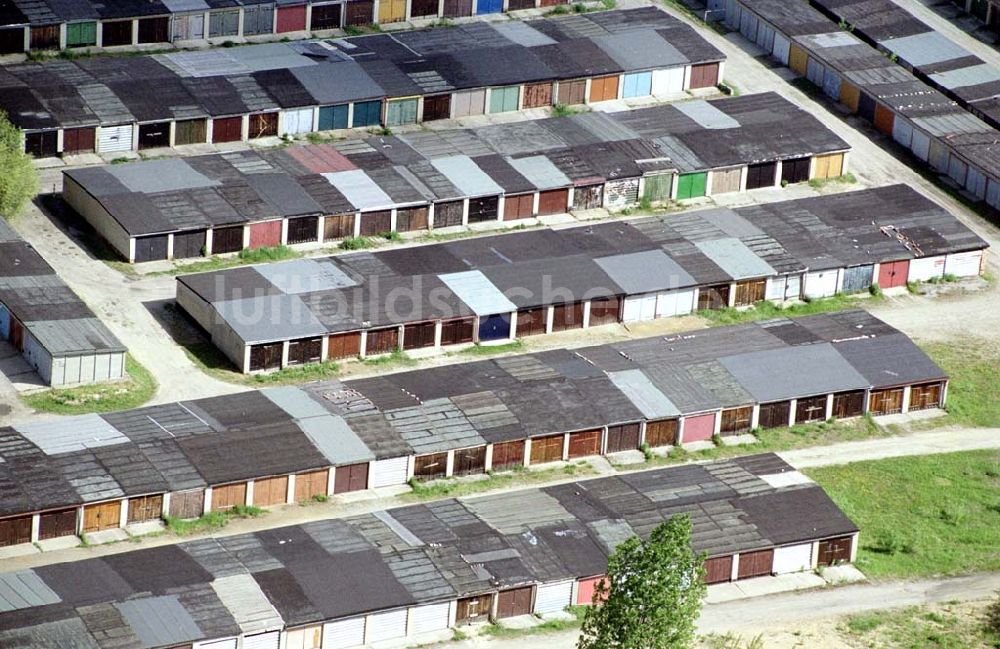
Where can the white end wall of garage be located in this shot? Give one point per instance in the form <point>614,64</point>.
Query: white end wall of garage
<point>344,634</point>
<point>792,558</point>
<point>553,598</point>
<point>388,473</point>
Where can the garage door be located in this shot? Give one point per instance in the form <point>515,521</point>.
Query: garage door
<point>546,449</point>
<point>270,491</point>
<point>780,48</point>
<point>189,244</point>
<point>698,428</point>
<point>691,185</point>
<point>229,643</point>
<point>926,268</point>
<point>726,181</point>
<point>755,564</point>
<point>584,443</point>
<point>385,473</point>
<point>894,273</point>
<point>229,496</point>
<point>291,19</point>
<point>623,438</point>
<point>386,626</point>
<point>265,235</point>
<point>350,477</point>
<point>792,558</point>
<point>151,248</point>
<point>294,122</point>
<point>858,278</point>
<point>585,590</point>
<point>56,524</point>
<point>114,138</point>
<point>432,617</point>
<point>343,634</point>
<point>639,308</point>
<point>514,602</point>
<point>920,144</point>
<point>14,531</point>
<point>553,598</point>
<point>553,201</point>
<point>465,104</point>
<point>668,82</point>
<point>718,570</point>
<point>494,327</point>
<point>902,132</point>
<point>187,504</point>
<point>821,283</point>
<point>267,640</point>
<point>963,264</point>
<point>674,303</point>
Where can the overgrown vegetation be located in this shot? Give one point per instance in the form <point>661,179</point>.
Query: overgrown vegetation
<point>18,180</point>
<point>946,626</point>
<point>491,350</point>
<point>132,392</point>
<point>922,515</point>
<point>212,520</point>
<point>971,366</point>
<point>498,630</point>
<point>298,374</point>
<point>246,256</point>
<point>357,243</point>
<point>846,179</point>
<point>766,309</point>
<point>396,358</point>
<point>517,477</point>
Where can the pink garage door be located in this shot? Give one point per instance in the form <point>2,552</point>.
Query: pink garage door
<point>585,590</point>
<point>265,235</point>
<point>699,427</point>
<point>291,19</point>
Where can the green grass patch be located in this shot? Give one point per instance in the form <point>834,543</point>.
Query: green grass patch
<point>357,243</point>
<point>211,521</point>
<point>518,477</point>
<point>766,310</point>
<point>971,366</point>
<point>498,630</point>
<point>246,256</point>
<point>846,179</point>
<point>947,626</point>
<point>213,362</point>
<point>398,358</point>
<point>491,350</point>
<point>925,515</point>
<point>134,391</point>
<point>297,374</point>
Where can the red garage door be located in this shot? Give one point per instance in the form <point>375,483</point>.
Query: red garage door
<point>585,590</point>
<point>291,19</point>
<point>264,235</point>
<point>698,428</point>
<point>893,273</point>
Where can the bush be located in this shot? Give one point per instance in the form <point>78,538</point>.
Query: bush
<point>18,181</point>
<point>993,616</point>
<point>875,290</point>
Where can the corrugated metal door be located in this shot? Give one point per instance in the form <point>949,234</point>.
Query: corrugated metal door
<point>831,84</point>
<point>698,428</point>
<point>267,234</point>
<point>963,264</point>
<point>726,181</point>
<point>294,122</point>
<point>642,307</point>
<point>893,273</point>
<point>465,104</point>
<point>637,84</point>
<point>344,634</point>
<point>674,303</point>
<point>427,618</point>
<point>920,144</point>
<point>553,598</point>
<point>821,283</point>
<point>780,48</point>
<point>792,558</point>
<point>228,643</point>
<point>114,138</point>
<point>386,626</point>
<point>902,132</point>
<point>858,278</point>
<point>267,640</point>
<point>668,82</point>
<point>925,268</point>
<point>387,473</point>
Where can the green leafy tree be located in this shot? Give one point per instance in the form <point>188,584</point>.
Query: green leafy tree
<point>652,593</point>
<point>18,181</point>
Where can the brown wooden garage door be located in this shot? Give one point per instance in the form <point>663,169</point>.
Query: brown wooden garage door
<point>553,201</point>
<point>305,350</point>
<point>227,239</point>
<point>469,461</point>
<point>925,396</point>
<point>448,214</point>
<point>604,88</point>
<point>373,223</point>
<point>227,129</point>
<point>736,420</point>
<point>80,140</point>
<point>661,433</point>
<point>705,75</point>
<point>518,206</point>
<point>546,449</point>
<point>474,609</point>
<point>263,125</point>
<point>411,219</point>
<point>567,316</point>
<point>718,570</point>
<point>102,516</point>
<point>229,496</point>
<point>460,330</point>
<point>713,297</point>
<point>623,438</point>
<point>581,444</point>
<point>755,564</point>
<point>338,226</point>
<point>438,107</point>
<point>145,508</point>
<point>750,292</point>
<point>834,551</point>
<point>507,455</point>
<point>571,92</point>
<point>311,484</point>
<point>849,404</point>
<point>604,311</point>
<point>53,525</point>
<point>514,602</point>
<point>774,415</point>
<point>810,409</point>
<point>359,12</point>
<point>531,322</point>
<point>382,341</point>
<point>303,229</point>
<point>270,491</point>
<point>419,335</point>
<point>537,95</point>
<point>343,345</point>
<point>187,504</point>
<point>351,477</point>
<point>266,357</point>
<point>14,531</point>
<point>190,131</point>
<point>430,466</point>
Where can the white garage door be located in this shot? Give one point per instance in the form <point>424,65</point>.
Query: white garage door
<point>261,641</point>
<point>114,138</point>
<point>431,617</point>
<point>553,598</point>
<point>386,626</point>
<point>924,269</point>
<point>815,72</point>
<point>639,308</point>
<point>792,558</point>
<point>386,473</point>
<point>295,122</point>
<point>993,193</point>
<point>666,82</point>
<point>674,303</point>
<point>229,643</point>
<point>957,170</point>
<point>821,284</point>
<point>975,182</point>
<point>781,47</point>
<point>788,287</point>
<point>902,132</point>
<point>920,144</point>
<point>963,264</point>
<point>344,634</point>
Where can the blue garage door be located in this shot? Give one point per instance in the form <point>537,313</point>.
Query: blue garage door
<point>494,327</point>
<point>367,113</point>
<point>4,323</point>
<point>638,84</point>
<point>489,6</point>
<point>331,117</point>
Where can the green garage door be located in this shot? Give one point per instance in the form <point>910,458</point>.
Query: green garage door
<point>691,185</point>
<point>504,100</point>
<point>656,188</point>
<point>81,34</point>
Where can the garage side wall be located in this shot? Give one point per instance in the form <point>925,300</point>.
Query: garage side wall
<point>94,213</point>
